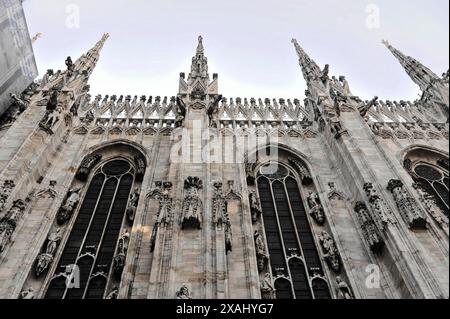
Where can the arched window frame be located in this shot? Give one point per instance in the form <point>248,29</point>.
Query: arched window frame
<point>295,176</point>
<point>112,282</point>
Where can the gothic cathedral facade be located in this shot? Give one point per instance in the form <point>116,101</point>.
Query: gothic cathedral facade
<point>201,196</point>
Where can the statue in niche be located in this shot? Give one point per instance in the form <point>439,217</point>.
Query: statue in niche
<point>367,106</point>
<point>331,254</point>
<point>66,211</point>
<point>180,112</point>
<point>368,228</point>
<point>261,255</point>
<point>45,259</point>
<point>132,206</point>
<point>122,249</point>
<point>27,294</point>
<point>8,222</point>
<point>255,207</point>
<point>407,206</point>
<point>228,238</point>
<point>316,209</point>
<point>192,213</point>
<point>114,294</point>
<point>267,288</point>
<point>343,289</point>
<point>213,111</point>
<point>5,191</point>
<point>183,293</point>
<point>164,215</point>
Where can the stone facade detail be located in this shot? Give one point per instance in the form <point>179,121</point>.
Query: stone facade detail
<point>187,237</point>
<point>192,211</point>
<point>407,206</point>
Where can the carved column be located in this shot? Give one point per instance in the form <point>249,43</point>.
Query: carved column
<point>368,227</point>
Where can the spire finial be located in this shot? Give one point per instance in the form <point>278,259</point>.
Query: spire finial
<point>200,48</point>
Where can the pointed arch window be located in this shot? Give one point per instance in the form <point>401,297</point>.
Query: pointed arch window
<point>294,258</point>
<point>89,250</point>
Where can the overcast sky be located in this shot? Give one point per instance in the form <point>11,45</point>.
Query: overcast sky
<point>247,42</point>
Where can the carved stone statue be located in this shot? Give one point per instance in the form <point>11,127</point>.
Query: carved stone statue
<point>27,294</point>
<point>50,119</point>
<point>343,289</point>
<point>192,213</point>
<point>69,64</point>
<point>5,191</point>
<point>86,165</point>
<point>316,209</point>
<point>331,254</point>
<point>180,112</point>
<point>267,288</point>
<point>261,254</point>
<point>8,223</point>
<point>183,293</point>
<point>255,206</point>
<point>19,103</point>
<point>368,227</point>
<point>45,259</point>
<point>213,111</point>
<point>120,257</point>
<point>407,206</point>
<point>132,206</point>
<point>66,211</point>
<point>113,294</point>
<point>381,214</point>
<point>367,106</point>
<point>345,85</point>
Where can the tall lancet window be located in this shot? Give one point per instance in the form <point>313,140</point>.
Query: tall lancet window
<point>293,255</point>
<point>90,252</point>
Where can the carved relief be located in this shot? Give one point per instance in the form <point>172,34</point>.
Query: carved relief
<point>331,253</point>
<point>407,206</point>
<point>86,165</point>
<point>27,294</point>
<point>192,211</point>
<point>316,209</point>
<point>301,169</point>
<point>333,193</point>
<point>8,222</point>
<point>5,191</point>
<point>368,227</point>
<point>66,210</point>
<point>45,259</point>
<point>255,206</point>
<point>49,192</point>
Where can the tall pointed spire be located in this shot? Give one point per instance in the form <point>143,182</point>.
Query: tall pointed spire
<point>420,74</point>
<point>309,67</point>
<point>88,61</point>
<point>199,67</point>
